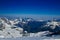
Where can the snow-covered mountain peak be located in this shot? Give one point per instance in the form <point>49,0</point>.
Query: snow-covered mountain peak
<point>53,24</point>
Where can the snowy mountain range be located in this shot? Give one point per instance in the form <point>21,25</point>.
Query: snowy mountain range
<point>20,27</point>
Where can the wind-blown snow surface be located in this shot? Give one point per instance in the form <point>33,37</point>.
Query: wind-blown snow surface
<point>32,38</point>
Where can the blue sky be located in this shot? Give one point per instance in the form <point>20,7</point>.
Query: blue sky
<point>33,7</point>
